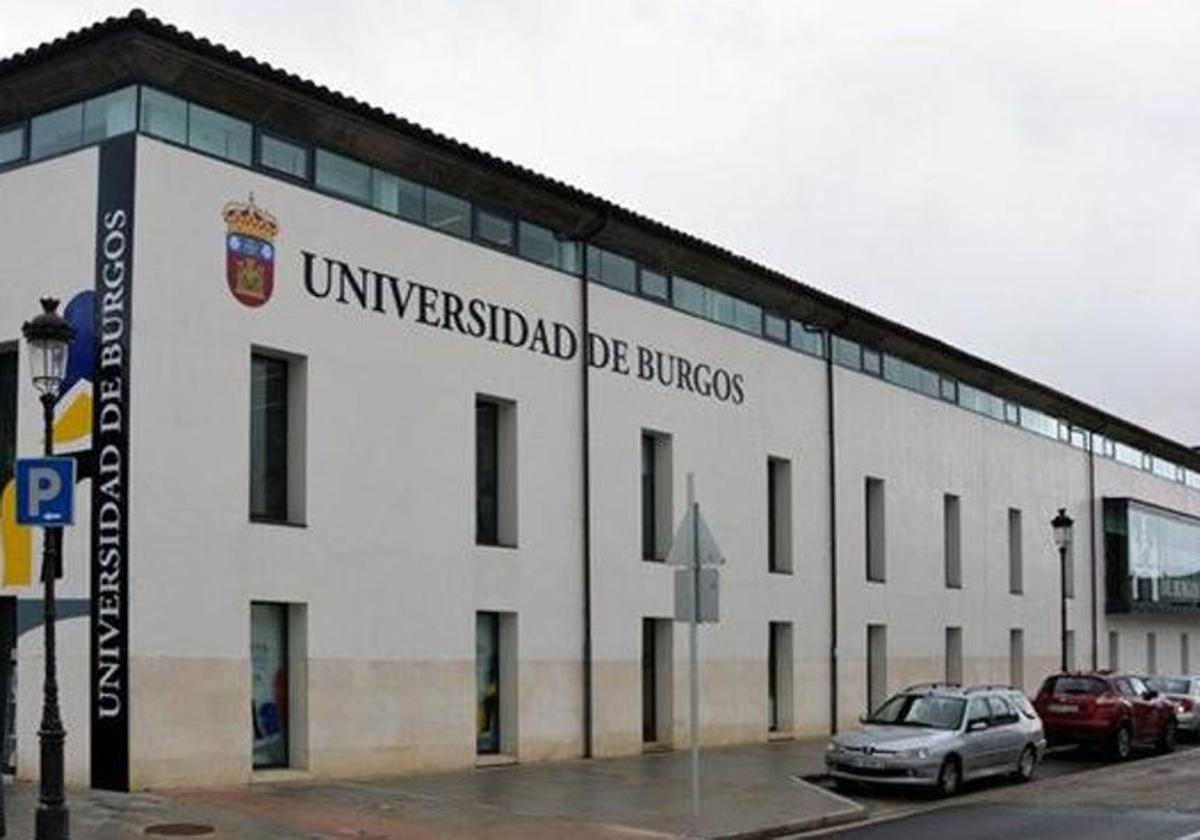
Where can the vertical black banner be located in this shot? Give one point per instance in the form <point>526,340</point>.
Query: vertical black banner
<point>109,676</point>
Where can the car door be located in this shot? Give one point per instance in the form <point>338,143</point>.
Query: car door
<point>976,748</point>
<point>1145,712</point>
<point>1006,735</point>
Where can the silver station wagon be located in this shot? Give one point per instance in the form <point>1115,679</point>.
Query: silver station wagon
<point>939,735</point>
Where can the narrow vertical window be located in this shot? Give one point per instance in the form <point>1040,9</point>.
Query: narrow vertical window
<point>1016,658</point>
<point>779,676</point>
<point>657,656</point>
<point>954,654</point>
<point>268,438</point>
<point>779,515</point>
<point>876,666</point>
<point>1016,561</point>
<point>875,531</point>
<point>952,541</point>
<point>1071,650</point>
<point>1114,650</point>
<point>495,472</point>
<point>1151,653</point>
<point>269,679</point>
<point>487,683</point>
<point>656,495</point>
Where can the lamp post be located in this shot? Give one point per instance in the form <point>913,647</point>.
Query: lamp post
<point>49,338</point>
<point>1062,525</point>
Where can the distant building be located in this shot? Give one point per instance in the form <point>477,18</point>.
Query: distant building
<point>353,502</point>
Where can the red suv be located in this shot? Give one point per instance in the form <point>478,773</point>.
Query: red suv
<point>1099,708</point>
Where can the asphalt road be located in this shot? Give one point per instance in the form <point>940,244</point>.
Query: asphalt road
<point>1075,795</point>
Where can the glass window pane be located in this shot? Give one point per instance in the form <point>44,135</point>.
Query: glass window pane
<point>282,156</point>
<point>343,176</point>
<point>949,390</point>
<point>218,134</point>
<point>385,191</point>
<point>981,402</point>
<point>411,200</point>
<point>847,353</point>
<point>872,362</point>
<point>655,285</point>
<point>109,115</point>
<point>1011,413</point>
<point>164,115</point>
<point>447,213</point>
<point>776,327</point>
<point>487,472</point>
<point>569,256</point>
<point>495,229</point>
<point>1036,421</point>
<point>807,340</point>
<point>612,269</point>
<point>56,131</point>
<point>269,684</point>
<point>268,437</point>
<point>537,243</point>
<point>722,308</point>
<point>12,144</point>
<point>689,296</point>
<point>747,317</point>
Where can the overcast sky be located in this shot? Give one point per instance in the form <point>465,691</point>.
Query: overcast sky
<point>1019,179</point>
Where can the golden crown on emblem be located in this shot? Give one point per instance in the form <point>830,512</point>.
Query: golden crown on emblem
<point>248,219</point>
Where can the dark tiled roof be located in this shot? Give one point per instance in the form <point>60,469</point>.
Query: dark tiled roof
<point>856,320</point>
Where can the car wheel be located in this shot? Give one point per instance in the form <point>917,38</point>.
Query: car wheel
<point>949,777</point>
<point>1122,745</point>
<point>1166,742</point>
<point>1027,765</point>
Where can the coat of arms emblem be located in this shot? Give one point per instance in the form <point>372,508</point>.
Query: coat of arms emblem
<point>250,251</point>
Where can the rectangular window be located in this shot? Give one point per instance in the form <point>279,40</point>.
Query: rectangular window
<point>1151,653</point>
<point>397,196</point>
<point>807,340</point>
<point>537,243</point>
<point>656,495</point>
<point>56,131</point>
<point>487,683</point>
<point>954,654</point>
<point>12,144</point>
<point>847,353</point>
<point>447,213</point>
<point>611,269</point>
<point>657,660</point>
<point>775,327</point>
<point>343,176</point>
<point>1016,658</point>
<point>495,472</point>
<point>689,296</point>
<point>164,115</point>
<point>495,230</point>
<point>1185,653</point>
<point>1071,666</point>
<point>875,531</point>
<point>779,676</point>
<point>281,156</point>
<point>1016,553</point>
<point>748,317</point>
<point>1114,650</point>
<point>8,415</point>
<point>654,285</point>
<point>949,390</point>
<point>219,134</point>
<point>952,540</point>
<point>270,680</point>
<point>779,515</point>
<point>109,115</point>
<point>269,402</point>
<point>569,259</point>
<point>876,666</point>
<point>872,362</point>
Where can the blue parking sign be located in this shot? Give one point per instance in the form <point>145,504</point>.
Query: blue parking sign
<point>46,491</point>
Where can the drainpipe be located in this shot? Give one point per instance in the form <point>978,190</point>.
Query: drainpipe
<point>585,235</point>
<point>1092,548</point>
<point>833,541</point>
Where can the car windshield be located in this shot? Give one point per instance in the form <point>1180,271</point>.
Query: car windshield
<point>1074,685</point>
<point>1169,685</point>
<point>920,710</point>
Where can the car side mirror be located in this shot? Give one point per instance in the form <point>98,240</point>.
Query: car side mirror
<point>1150,694</point>
<point>977,725</point>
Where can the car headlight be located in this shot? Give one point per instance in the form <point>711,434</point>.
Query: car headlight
<point>919,753</point>
<point>831,747</point>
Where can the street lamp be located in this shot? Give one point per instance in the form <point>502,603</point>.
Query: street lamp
<point>1062,525</point>
<point>49,338</point>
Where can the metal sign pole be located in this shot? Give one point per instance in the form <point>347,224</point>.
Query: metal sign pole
<point>693,652</point>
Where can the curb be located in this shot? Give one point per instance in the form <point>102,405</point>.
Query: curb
<point>831,820</point>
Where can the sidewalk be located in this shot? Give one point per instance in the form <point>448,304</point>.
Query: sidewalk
<point>747,791</point>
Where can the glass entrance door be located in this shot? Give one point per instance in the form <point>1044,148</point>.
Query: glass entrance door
<point>269,684</point>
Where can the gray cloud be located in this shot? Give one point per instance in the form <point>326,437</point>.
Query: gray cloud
<point>1017,178</point>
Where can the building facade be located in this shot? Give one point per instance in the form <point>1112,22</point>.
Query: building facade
<point>382,442</point>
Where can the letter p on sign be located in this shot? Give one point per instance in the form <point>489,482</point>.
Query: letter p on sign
<point>46,491</point>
